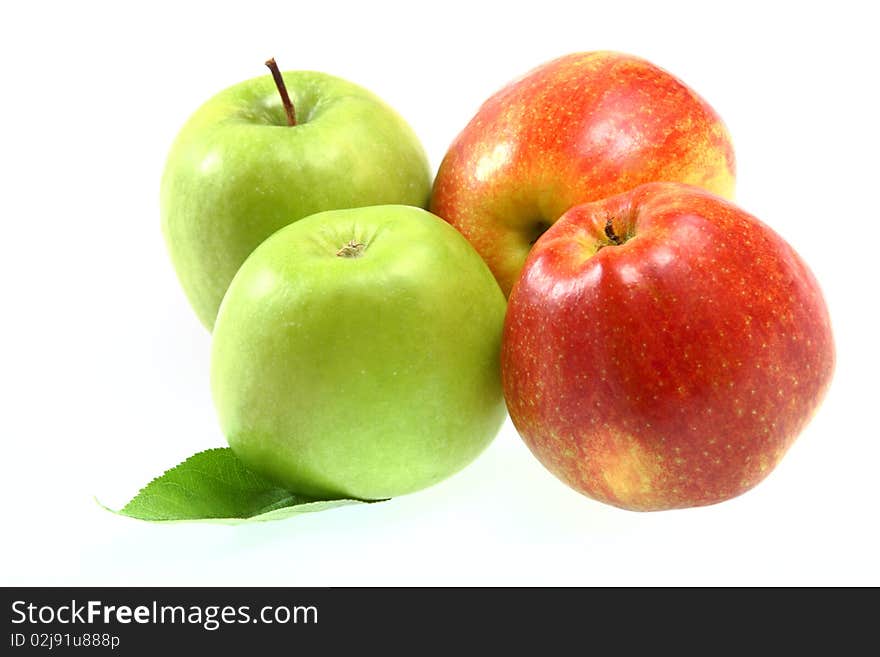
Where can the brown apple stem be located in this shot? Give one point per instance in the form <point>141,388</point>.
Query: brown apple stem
<point>282,91</point>
<point>609,232</point>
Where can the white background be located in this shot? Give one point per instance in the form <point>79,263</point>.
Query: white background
<point>105,369</point>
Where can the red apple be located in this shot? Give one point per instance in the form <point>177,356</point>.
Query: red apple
<point>663,349</point>
<point>577,129</point>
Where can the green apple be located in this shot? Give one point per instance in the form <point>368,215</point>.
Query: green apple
<point>238,171</point>
<point>356,354</point>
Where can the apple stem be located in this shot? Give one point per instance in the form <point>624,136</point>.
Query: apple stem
<point>609,232</point>
<point>282,91</point>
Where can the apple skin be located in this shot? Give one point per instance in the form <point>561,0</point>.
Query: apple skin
<point>577,129</point>
<point>237,172</point>
<point>361,377</point>
<point>672,370</point>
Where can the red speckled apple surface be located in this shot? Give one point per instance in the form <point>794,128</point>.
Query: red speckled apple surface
<point>664,348</point>
<point>577,129</point>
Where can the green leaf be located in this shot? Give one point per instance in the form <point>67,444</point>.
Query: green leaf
<point>215,486</point>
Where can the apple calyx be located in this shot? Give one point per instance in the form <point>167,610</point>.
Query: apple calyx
<point>282,91</point>
<point>353,249</point>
